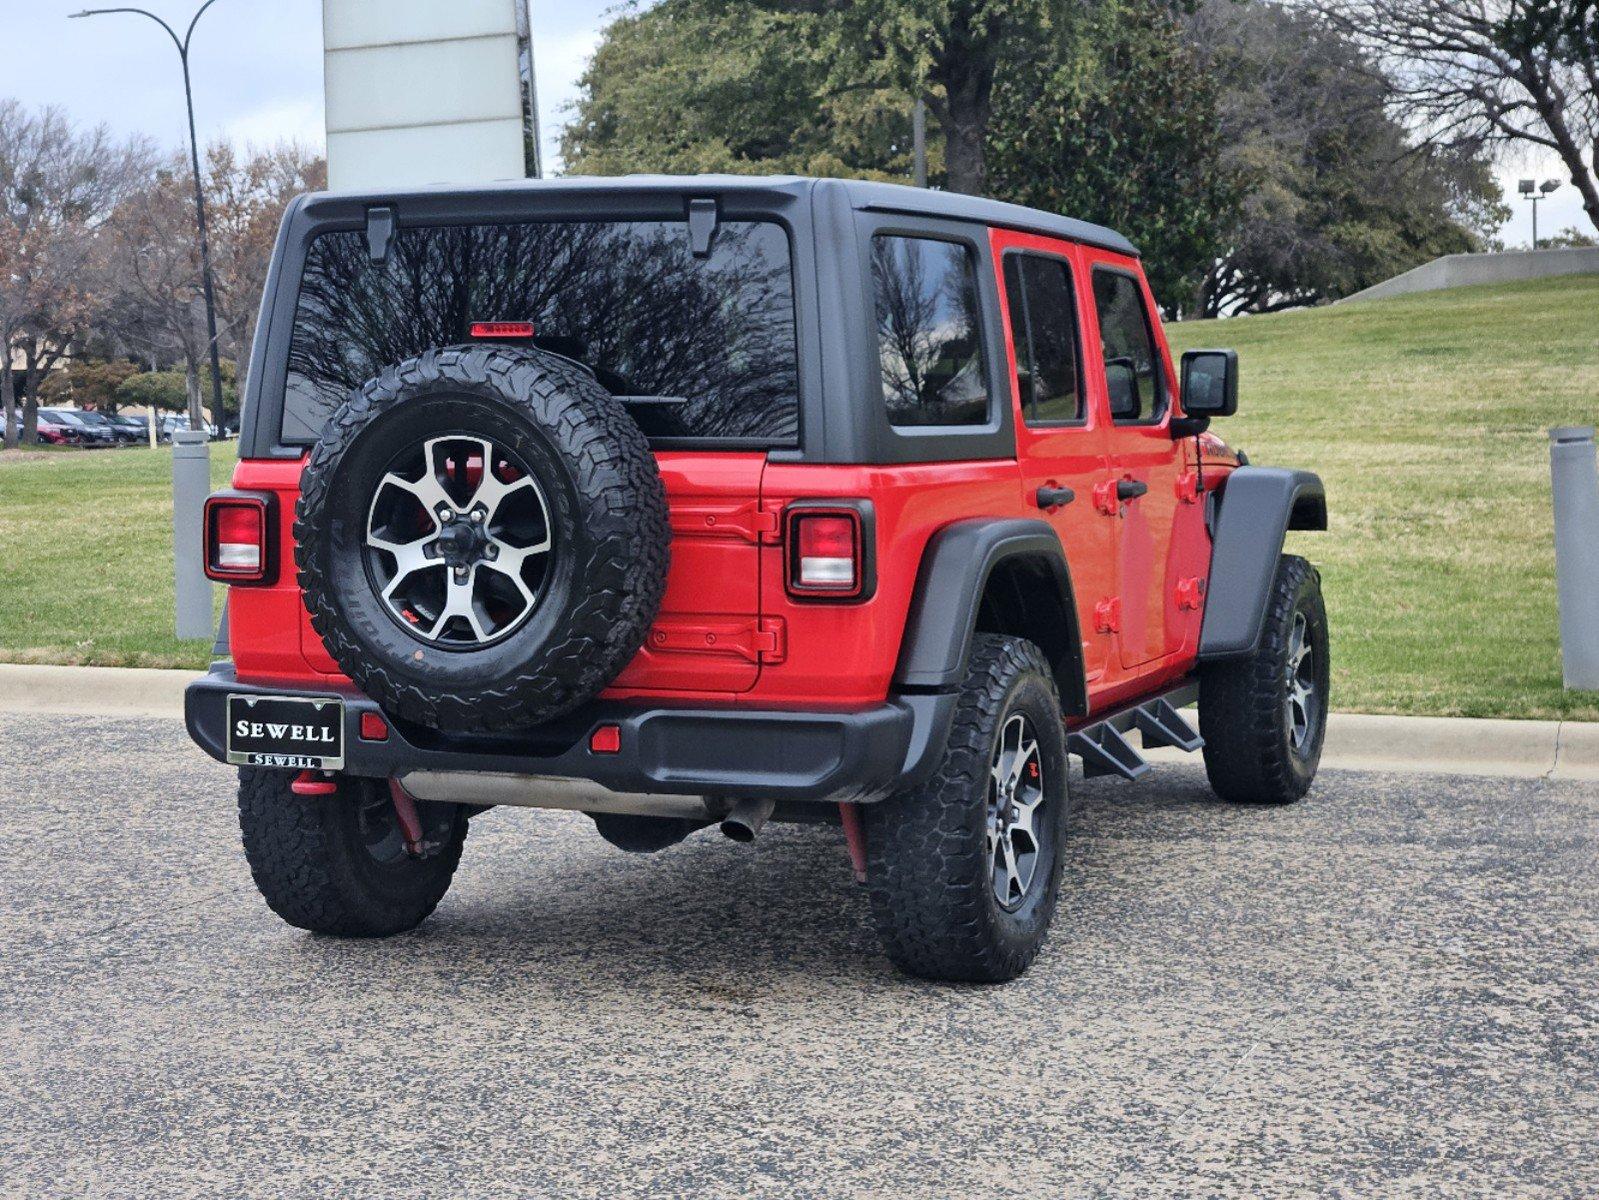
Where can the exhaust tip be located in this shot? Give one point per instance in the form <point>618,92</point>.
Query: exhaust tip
<point>745,821</point>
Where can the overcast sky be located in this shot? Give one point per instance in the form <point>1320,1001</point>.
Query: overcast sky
<point>258,76</point>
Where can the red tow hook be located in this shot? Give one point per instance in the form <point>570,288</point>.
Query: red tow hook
<point>849,816</point>
<point>405,814</point>
<point>313,783</point>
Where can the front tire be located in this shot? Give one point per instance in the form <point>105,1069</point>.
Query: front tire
<point>964,871</point>
<point>338,864</point>
<point>1264,716</point>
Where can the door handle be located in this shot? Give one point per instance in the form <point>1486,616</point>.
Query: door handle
<point>1053,497</point>
<point>1130,489</point>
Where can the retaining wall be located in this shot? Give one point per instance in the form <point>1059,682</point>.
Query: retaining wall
<point>1462,270</point>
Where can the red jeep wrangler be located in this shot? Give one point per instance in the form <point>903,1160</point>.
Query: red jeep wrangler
<point>678,501</point>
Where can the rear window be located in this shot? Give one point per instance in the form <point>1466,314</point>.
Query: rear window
<point>700,349</point>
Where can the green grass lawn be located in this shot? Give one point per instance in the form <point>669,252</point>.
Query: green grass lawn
<point>86,557</point>
<point>1425,415</point>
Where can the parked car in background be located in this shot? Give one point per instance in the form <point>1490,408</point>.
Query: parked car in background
<point>175,421</point>
<point>104,427</point>
<point>134,429</point>
<point>51,432</point>
<point>89,433</point>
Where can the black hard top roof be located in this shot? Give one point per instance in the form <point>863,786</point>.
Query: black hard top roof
<point>863,194</point>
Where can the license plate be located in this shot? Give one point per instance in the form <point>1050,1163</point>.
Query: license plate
<point>286,731</point>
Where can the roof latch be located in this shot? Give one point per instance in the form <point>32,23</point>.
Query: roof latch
<point>701,226</point>
<point>380,226</point>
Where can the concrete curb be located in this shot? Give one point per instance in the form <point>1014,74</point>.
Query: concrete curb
<point>1566,750</point>
<point>1562,750</point>
<point>117,691</point>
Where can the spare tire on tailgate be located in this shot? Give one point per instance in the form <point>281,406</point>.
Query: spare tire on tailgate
<point>482,537</point>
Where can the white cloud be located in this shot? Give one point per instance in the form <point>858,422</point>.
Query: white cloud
<point>296,119</point>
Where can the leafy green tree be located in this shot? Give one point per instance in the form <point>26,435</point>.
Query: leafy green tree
<point>169,390</point>
<point>1244,146</point>
<point>1336,195</point>
<point>87,383</point>
<point>948,52</point>
<point>818,86</point>
<point>708,85</point>
<point>1107,116</point>
<point>155,390</point>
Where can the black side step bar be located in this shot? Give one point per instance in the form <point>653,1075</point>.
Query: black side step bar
<point>1103,745</point>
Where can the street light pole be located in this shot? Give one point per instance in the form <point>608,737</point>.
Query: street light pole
<point>218,415</point>
<point>1533,192</point>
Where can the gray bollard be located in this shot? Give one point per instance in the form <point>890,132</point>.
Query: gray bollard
<point>191,484</point>
<point>1576,484</point>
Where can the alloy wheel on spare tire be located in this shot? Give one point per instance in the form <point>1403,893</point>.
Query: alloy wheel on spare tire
<point>482,537</point>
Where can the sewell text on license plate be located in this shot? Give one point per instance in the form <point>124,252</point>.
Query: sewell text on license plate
<point>290,732</point>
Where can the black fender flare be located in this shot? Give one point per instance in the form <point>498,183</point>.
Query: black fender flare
<point>1256,508</point>
<point>957,566</point>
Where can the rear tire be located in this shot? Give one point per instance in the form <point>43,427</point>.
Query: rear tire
<point>1264,716</point>
<point>935,860</point>
<point>332,865</point>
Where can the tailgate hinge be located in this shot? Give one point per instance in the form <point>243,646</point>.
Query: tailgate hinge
<point>748,521</point>
<point>763,640</point>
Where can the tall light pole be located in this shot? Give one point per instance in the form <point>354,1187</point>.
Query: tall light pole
<point>218,416</point>
<point>1535,192</point>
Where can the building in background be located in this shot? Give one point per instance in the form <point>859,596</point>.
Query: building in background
<point>422,92</point>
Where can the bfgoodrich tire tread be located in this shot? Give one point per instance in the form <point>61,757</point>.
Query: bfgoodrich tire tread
<point>306,862</point>
<point>929,873</point>
<point>620,507</point>
<point>1249,758</point>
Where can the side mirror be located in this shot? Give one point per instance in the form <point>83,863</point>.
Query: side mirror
<point>1121,384</point>
<point>1210,383</point>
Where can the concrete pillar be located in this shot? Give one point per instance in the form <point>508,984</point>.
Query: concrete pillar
<point>1576,488</point>
<point>191,484</point>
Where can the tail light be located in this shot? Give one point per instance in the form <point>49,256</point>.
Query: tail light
<point>827,552</point>
<point>238,538</point>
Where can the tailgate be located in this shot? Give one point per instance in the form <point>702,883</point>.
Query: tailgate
<point>709,636</point>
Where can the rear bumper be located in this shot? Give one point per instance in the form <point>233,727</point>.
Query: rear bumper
<point>858,756</point>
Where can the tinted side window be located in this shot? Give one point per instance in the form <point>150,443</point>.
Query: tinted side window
<point>929,337</point>
<point>1132,370</point>
<point>1043,318</point>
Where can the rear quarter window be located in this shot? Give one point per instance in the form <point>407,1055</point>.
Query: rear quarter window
<point>702,349</point>
<point>929,335</point>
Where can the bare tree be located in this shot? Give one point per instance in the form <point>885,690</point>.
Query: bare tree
<point>155,306</point>
<point>155,303</point>
<point>58,187</point>
<point>245,198</point>
<point>1516,71</point>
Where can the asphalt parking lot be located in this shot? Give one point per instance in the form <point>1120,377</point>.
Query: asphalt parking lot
<point>1391,989</point>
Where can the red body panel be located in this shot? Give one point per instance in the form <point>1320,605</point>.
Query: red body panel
<point>730,633</point>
